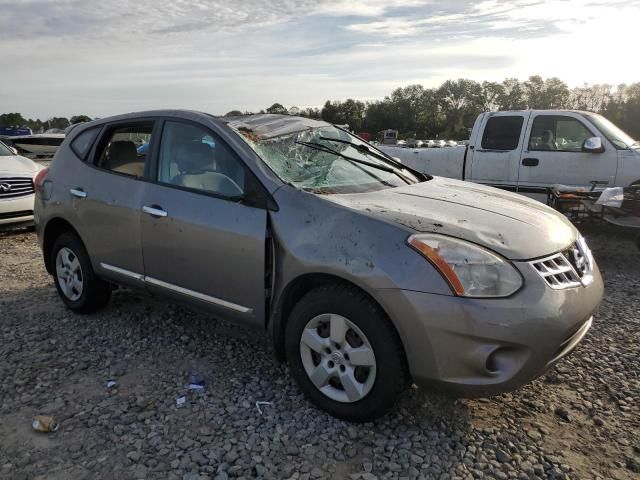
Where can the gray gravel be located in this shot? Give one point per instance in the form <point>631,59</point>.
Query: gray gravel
<point>581,420</point>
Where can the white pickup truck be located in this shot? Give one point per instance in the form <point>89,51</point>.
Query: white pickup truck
<point>533,150</point>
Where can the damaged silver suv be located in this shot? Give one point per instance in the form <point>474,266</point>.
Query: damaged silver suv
<point>367,275</point>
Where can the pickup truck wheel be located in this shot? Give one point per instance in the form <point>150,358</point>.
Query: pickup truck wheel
<point>344,353</point>
<point>78,286</point>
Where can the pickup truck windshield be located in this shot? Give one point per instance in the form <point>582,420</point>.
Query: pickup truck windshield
<point>620,140</point>
<point>327,160</point>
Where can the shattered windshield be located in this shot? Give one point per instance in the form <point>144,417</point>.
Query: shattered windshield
<point>322,158</point>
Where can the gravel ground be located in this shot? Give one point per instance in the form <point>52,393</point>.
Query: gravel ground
<point>581,420</point>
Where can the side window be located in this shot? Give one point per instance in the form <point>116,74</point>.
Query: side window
<point>502,133</point>
<point>83,142</point>
<point>192,157</point>
<point>558,133</point>
<point>124,149</point>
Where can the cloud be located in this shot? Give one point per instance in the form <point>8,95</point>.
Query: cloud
<point>101,57</point>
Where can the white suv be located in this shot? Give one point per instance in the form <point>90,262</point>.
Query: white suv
<point>17,176</point>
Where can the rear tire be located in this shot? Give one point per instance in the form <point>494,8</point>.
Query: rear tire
<point>78,286</point>
<point>345,354</point>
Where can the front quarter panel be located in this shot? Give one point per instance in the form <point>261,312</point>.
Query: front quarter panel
<point>314,235</point>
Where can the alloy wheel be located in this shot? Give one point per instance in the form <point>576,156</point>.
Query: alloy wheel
<point>338,358</point>
<point>69,274</point>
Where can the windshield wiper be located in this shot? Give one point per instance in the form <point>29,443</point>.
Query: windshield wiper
<point>362,148</point>
<point>324,148</point>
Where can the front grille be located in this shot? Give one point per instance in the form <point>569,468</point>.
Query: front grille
<point>11,187</point>
<point>567,269</point>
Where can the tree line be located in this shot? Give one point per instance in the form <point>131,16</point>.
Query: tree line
<point>447,111</point>
<point>37,125</point>
<point>450,110</point>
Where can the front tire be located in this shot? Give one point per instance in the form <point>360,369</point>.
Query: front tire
<point>78,286</point>
<point>345,354</point>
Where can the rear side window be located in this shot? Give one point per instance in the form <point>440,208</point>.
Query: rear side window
<point>124,149</point>
<point>83,142</point>
<point>502,133</point>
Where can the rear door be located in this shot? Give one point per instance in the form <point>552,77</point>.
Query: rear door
<point>553,155</point>
<point>203,231</point>
<point>495,152</point>
<point>106,192</point>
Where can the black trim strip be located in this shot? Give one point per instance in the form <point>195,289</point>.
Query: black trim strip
<point>520,189</point>
<point>22,213</point>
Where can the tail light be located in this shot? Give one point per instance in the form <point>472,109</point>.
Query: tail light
<point>39,179</point>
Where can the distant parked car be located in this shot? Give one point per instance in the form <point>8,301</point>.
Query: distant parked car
<point>17,176</point>
<point>367,275</point>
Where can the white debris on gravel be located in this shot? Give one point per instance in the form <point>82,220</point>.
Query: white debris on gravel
<point>581,420</point>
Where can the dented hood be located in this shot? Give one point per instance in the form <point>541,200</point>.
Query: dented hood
<point>513,225</point>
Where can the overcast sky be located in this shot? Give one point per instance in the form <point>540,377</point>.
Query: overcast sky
<point>101,57</point>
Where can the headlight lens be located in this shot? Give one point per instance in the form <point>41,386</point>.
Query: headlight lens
<point>471,271</point>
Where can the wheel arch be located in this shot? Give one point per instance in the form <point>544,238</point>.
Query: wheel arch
<point>54,228</point>
<point>294,291</point>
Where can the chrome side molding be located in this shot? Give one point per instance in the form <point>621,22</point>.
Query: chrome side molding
<point>198,295</point>
<point>175,288</point>
<point>122,271</point>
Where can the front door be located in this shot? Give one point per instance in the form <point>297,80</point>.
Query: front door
<point>495,153</point>
<point>202,240</point>
<point>553,155</point>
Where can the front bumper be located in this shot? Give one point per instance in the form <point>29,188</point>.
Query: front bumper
<point>16,212</point>
<point>480,347</point>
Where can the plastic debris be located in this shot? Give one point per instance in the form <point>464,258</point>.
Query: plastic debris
<point>181,402</point>
<point>196,382</point>
<point>112,384</point>
<point>262,403</point>
<point>45,423</point>
<point>611,197</point>
<point>196,379</point>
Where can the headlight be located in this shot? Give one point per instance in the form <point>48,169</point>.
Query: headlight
<point>471,271</point>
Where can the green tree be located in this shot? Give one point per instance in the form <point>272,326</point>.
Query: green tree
<point>461,102</point>
<point>512,95</point>
<point>491,93</point>
<point>233,113</point>
<point>79,119</point>
<point>548,94</point>
<point>12,120</point>
<point>277,108</point>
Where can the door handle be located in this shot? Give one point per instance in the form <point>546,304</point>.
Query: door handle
<point>530,162</point>
<point>78,193</point>
<point>154,211</point>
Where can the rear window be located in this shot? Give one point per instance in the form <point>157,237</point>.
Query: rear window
<point>83,142</point>
<point>502,133</point>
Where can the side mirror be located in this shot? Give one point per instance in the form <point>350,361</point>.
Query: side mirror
<point>14,150</point>
<point>593,145</point>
